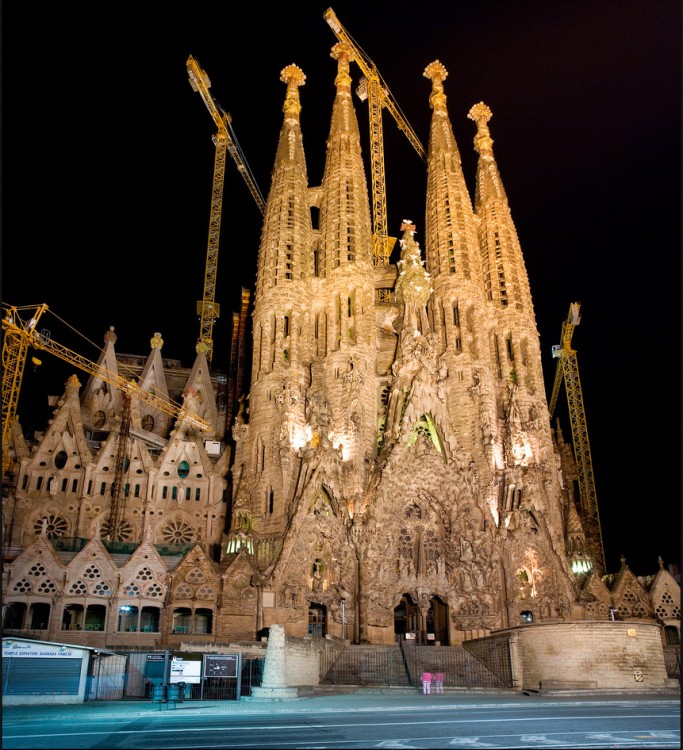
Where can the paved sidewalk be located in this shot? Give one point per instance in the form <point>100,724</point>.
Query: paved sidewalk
<point>361,699</point>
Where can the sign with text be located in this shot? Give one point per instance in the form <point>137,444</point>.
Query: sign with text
<point>220,665</point>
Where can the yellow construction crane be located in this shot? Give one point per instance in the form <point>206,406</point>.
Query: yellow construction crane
<point>224,140</point>
<point>568,370</point>
<point>20,333</point>
<point>374,89</point>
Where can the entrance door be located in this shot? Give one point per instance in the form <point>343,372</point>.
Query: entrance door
<point>437,621</point>
<point>405,619</point>
<point>317,620</point>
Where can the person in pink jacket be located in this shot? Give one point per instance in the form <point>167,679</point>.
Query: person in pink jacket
<point>426,683</point>
<point>438,682</point>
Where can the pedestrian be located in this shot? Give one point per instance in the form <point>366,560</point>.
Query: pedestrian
<point>438,682</point>
<point>426,683</point>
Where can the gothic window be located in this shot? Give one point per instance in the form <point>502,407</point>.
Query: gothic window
<point>197,493</point>
<point>131,589</point>
<point>60,459</point>
<point>37,570</point>
<point>92,571</point>
<point>206,592</point>
<point>101,589</point>
<point>406,544</point>
<point>196,575</point>
<point>164,492</point>
<point>144,574</point>
<point>77,588</point>
<point>47,587</point>
<point>154,590</point>
<point>22,587</point>
<point>184,591</point>
<point>183,469</point>
<point>174,493</point>
<point>188,492</point>
<point>286,326</point>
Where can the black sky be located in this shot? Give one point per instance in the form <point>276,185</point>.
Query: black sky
<point>108,163</point>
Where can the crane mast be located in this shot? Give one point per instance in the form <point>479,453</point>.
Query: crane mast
<point>225,142</point>
<point>19,335</point>
<point>379,97</point>
<point>568,371</point>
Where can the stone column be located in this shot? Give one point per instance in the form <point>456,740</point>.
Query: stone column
<point>274,683</point>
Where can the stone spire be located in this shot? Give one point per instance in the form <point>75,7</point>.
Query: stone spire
<point>345,226</point>
<point>450,233</point>
<point>285,260</point>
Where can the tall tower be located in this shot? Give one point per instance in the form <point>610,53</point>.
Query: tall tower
<point>386,488</point>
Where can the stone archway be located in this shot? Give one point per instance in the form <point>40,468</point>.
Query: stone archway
<point>405,619</point>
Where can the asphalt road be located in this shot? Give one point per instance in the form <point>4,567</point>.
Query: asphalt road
<point>358,721</point>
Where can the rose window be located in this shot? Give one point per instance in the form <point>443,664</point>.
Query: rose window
<point>78,588</point>
<point>131,590</point>
<point>47,587</point>
<point>101,589</point>
<point>37,570</point>
<point>177,532</point>
<point>155,590</point>
<point>55,526</point>
<point>22,587</point>
<point>92,571</point>
<point>119,532</point>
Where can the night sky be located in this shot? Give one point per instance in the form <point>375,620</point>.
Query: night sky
<point>108,164</point>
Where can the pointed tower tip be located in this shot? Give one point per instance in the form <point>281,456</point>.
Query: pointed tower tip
<point>156,342</point>
<point>294,77</point>
<point>343,54</point>
<point>481,114</point>
<point>437,74</point>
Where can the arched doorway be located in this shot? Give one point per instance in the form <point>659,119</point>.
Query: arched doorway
<point>405,619</point>
<point>317,619</point>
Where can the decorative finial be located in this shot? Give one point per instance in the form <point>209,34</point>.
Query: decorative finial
<point>343,54</point>
<point>660,560</point>
<point>481,114</point>
<point>437,73</point>
<point>110,336</point>
<point>407,226</point>
<point>622,560</point>
<point>294,77</point>
<point>156,341</point>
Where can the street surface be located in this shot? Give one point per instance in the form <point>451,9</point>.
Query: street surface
<point>419,722</point>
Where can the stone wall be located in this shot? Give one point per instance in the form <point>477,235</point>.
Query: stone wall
<point>587,655</point>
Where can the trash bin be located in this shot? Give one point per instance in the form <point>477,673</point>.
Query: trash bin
<point>174,692</point>
<point>159,693</point>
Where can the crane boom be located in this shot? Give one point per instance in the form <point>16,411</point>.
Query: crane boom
<point>20,335</point>
<point>568,371</point>
<point>379,96</point>
<point>224,141</point>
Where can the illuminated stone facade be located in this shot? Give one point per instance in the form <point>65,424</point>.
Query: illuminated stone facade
<point>393,470</point>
